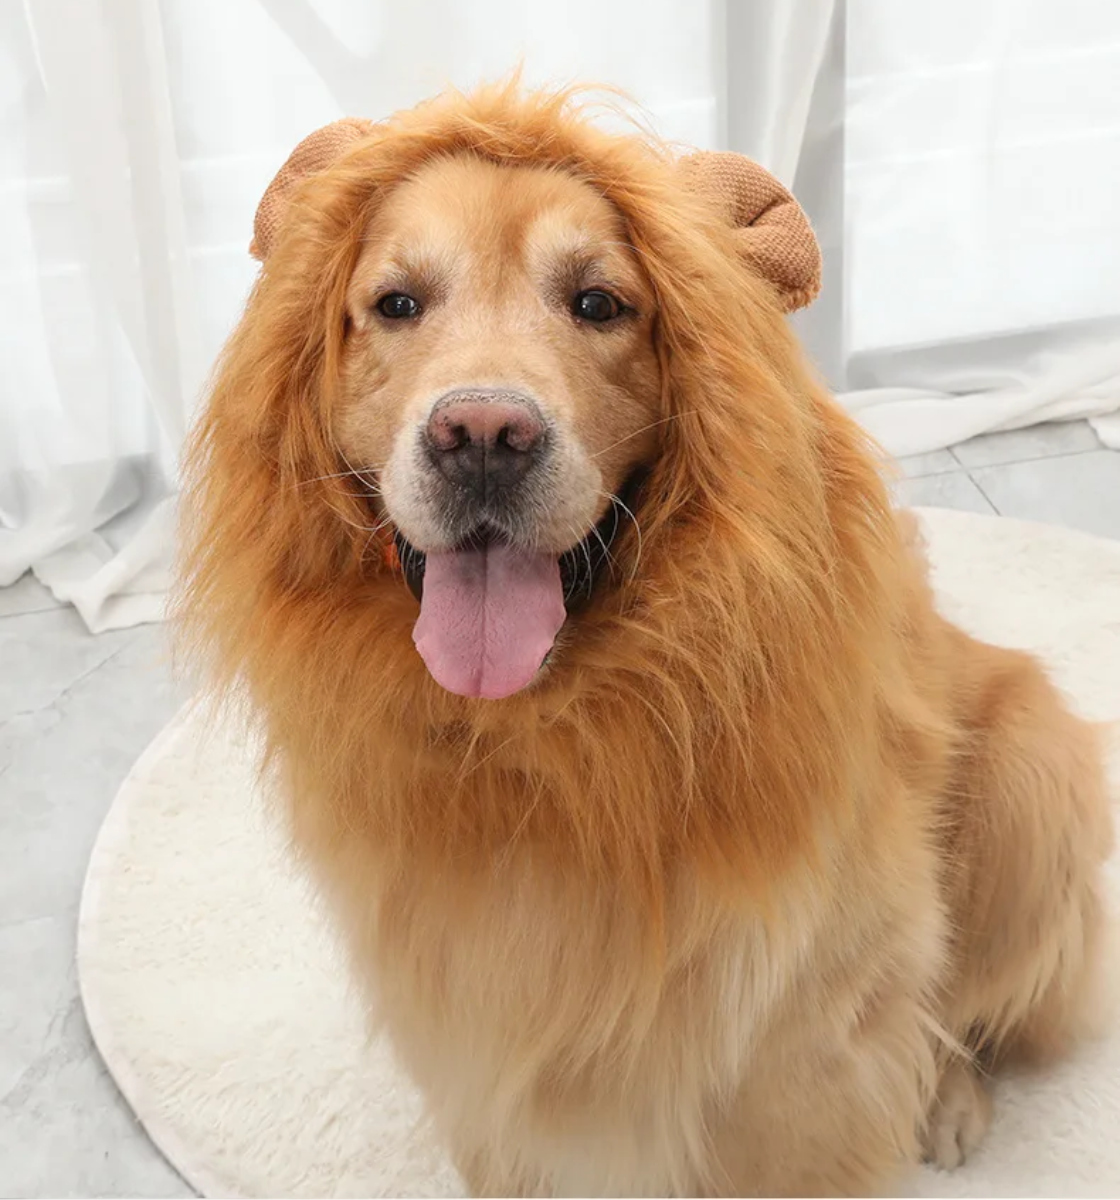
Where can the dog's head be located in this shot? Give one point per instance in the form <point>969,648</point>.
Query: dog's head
<point>470,347</point>
<point>502,386</point>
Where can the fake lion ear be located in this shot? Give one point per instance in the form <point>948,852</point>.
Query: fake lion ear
<point>314,154</point>
<point>774,235</point>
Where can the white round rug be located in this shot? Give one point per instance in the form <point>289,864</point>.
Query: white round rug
<point>219,1003</point>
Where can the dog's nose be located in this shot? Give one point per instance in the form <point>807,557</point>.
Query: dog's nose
<point>485,441</point>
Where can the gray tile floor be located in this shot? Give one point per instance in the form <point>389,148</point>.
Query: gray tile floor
<point>76,710</point>
<point>1055,473</point>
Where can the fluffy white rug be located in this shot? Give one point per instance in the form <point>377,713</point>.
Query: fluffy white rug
<point>218,1001</point>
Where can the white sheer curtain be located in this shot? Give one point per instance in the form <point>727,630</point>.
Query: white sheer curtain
<point>982,256</point>
<point>957,165</point>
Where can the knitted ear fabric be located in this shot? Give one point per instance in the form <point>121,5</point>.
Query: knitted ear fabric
<point>315,153</point>
<point>774,235</point>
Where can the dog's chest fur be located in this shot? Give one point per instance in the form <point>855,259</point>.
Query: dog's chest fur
<point>540,1027</point>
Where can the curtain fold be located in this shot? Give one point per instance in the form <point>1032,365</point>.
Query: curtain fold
<point>775,55</point>
<point>97,312</point>
<point>955,160</point>
<point>982,245</point>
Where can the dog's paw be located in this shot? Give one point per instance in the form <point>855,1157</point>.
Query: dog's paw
<point>959,1118</point>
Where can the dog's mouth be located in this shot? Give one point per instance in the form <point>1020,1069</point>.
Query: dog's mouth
<point>490,610</point>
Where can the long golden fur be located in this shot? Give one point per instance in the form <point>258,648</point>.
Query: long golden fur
<point>772,862</point>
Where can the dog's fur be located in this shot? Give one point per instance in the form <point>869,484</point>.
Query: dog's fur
<point>771,863</point>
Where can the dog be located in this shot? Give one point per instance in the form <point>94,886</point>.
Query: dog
<point>680,846</point>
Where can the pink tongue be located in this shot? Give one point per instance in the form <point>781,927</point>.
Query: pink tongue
<point>488,618</point>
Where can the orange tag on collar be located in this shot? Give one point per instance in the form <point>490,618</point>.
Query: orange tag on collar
<point>390,557</point>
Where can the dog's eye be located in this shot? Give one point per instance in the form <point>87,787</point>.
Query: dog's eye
<point>397,306</point>
<point>596,306</point>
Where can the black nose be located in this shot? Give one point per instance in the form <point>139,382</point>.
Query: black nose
<point>485,441</point>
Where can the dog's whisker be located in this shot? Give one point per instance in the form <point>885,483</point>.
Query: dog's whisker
<point>370,484</point>
<point>606,551</point>
<point>637,529</point>
<point>359,474</point>
<point>320,478</point>
<point>644,429</point>
<point>382,524</point>
<point>587,557</point>
<point>409,558</point>
<point>354,524</point>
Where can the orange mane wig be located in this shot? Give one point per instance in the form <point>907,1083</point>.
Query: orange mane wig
<point>714,704</point>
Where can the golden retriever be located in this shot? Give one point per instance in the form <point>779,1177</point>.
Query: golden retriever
<point>682,846</point>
